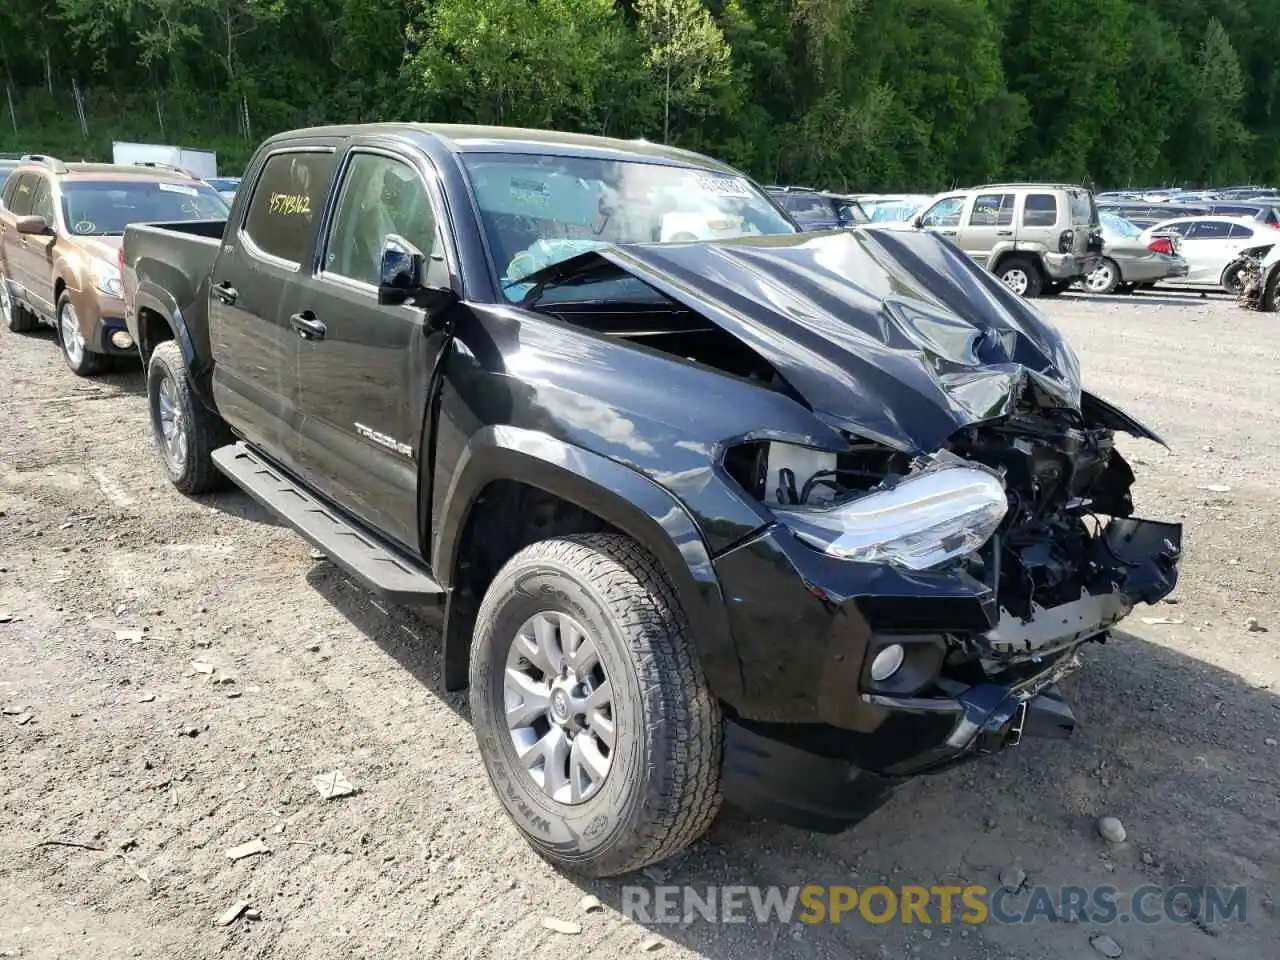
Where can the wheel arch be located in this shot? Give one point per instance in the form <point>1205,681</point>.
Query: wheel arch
<point>621,498</point>
<point>160,318</point>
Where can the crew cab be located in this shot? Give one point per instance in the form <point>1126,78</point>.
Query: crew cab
<point>782,518</point>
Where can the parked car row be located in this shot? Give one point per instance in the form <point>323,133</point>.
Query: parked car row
<point>455,359</point>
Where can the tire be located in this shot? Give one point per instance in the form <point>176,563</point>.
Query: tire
<point>1269,302</point>
<point>660,791</point>
<point>171,398</point>
<point>1231,279</point>
<point>1022,276</point>
<point>82,361</point>
<point>16,319</point>
<point>1105,279</point>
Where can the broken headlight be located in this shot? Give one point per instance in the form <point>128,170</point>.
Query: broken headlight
<point>946,510</point>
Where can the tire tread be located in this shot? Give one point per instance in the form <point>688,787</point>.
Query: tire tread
<point>206,431</point>
<point>684,724</point>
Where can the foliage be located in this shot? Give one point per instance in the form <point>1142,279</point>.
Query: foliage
<point>852,94</point>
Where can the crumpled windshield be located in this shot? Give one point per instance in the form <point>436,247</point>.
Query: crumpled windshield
<point>1119,226</point>
<point>538,210</point>
<point>105,207</point>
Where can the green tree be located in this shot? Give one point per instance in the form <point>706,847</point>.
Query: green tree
<point>686,52</point>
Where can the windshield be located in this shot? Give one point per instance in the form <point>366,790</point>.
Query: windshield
<point>106,207</point>
<point>1119,226</point>
<point>537,210</point>
<point>894,211</point>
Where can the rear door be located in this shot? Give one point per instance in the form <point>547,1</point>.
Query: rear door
<point>18,191</point>
<point>365,370</point>
<point>1208,248</point>
<point>269,253</point>
<point>988,225</point>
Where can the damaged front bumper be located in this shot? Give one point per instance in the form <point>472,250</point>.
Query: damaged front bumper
<point>819,743</point>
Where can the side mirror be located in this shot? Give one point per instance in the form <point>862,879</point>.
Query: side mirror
<point>400,271</point>
<point>918,222</point>
<point>32,223</point>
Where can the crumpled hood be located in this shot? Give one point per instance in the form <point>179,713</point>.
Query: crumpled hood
<point>897,337</point>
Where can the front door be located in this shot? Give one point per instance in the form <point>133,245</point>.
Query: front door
<point>364,370</point>
<point>255,379</point>
<point>943,218</point>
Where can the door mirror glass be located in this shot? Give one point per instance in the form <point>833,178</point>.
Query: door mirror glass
<point>32,223</point>
<point>401,270</point>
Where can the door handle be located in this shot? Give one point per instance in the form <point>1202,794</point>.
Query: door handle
<point>308,327</point>
<point>948,233</point>
<point>225,293</point>
<point>1004,233</point>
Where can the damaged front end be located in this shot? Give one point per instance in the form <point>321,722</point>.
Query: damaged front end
<point>916,591</point>
<point>958,587</point>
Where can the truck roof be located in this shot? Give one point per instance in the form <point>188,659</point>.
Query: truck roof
<point>470,138</point>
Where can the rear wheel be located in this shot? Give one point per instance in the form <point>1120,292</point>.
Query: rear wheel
<point>16,318</point>
<point>82,361</point>
<point>186,432</point>
<point>596,726</point>
<point>1022,276</point>
<point>1104,279</point>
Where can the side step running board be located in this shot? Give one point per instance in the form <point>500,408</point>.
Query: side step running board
<point>382,568</point>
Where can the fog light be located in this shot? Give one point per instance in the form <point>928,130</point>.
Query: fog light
<point>121,339</point>
<point>887,662</point>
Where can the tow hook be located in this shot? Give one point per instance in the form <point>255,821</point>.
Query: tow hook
<point>995,717</point>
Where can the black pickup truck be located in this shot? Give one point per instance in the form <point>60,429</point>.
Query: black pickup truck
<point>714,508</point>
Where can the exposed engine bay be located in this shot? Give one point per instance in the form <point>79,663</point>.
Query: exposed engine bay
<point>1063,563</point>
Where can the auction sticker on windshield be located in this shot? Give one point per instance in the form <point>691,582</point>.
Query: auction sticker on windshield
<point>724,186</point>
<point>179,188</point>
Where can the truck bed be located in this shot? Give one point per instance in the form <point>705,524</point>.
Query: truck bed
<point>166,268</point>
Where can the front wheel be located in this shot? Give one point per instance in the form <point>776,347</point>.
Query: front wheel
<point>1233,276</point>
<point>596,726</point>
<point>186,432</point>
<point>1022,276</point>
<point>82,361</point>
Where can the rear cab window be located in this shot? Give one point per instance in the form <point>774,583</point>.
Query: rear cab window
<point>1040,210</point>
<point>1239,231</point>
<point>287,203</point>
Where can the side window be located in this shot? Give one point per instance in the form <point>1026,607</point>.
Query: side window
<point>1040,210</point>
<point>1182,228</point>
<point>42,200</point>
<point>380,195</point>
<point>1240,232</point>
<point>287,201</point>
<point>19,201</point>
<point>944,213</point>
<point>1209,230</point>
<point>992,210</point>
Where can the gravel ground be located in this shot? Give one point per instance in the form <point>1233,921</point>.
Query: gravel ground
<point>118,595</point>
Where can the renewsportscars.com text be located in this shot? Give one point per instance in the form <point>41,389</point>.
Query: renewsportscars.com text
<point>814,904</point>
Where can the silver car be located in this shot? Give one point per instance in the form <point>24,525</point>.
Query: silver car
<point>1129,261</point>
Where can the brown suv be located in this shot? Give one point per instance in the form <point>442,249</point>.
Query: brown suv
<point>60,231</point>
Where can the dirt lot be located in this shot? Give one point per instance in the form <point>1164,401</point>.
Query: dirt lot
<point>112,737</point>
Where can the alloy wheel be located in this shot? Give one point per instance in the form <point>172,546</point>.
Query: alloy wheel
<point>173,425</point>
<point>69,332</point>
<point>1016,279</point>
<point>559,707</point>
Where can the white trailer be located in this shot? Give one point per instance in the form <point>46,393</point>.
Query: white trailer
<point>203,163</point>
